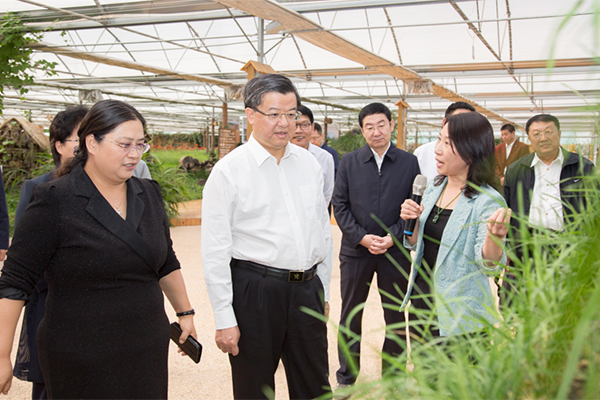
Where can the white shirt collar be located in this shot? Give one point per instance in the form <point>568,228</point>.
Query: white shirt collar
<point>537,160</point>
<point>379,160</point>
<point>261,154</point>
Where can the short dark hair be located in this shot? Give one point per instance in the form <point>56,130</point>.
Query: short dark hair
<point>457,105</point>
<point>542,118</point>
<point>306,111</point>
<point>472,136</point>
<point>257,87</point>
<point>318,128</point>
<point>374,108</point>
<point>508,127</point>
<point>104,117</point>
<point>62,127</point>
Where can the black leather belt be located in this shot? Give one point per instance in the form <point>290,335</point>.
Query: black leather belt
<point>283,274</point>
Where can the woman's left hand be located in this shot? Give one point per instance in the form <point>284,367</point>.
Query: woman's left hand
<point>187,328</point>
<point>498,222</point>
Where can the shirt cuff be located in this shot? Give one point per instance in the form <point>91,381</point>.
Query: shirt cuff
<point>225,318</point>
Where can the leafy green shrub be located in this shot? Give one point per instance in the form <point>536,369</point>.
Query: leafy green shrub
<point>172,183</point>
<point>15,56</point>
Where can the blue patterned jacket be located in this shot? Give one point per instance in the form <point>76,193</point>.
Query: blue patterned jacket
<point>463,296</point>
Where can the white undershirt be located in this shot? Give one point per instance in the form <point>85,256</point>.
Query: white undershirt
<point>379,160</point>
<point>546,207</point>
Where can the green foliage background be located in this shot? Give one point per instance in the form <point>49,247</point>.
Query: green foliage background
<point>16,63</point>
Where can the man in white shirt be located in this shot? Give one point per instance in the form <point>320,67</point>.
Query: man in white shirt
<point>301,137</point>
<point>426,152</point>
<point>267,251</point>
<point>549,178</point>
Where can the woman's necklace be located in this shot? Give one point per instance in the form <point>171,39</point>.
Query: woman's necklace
<point>440,210</point>
<point>118,208</point>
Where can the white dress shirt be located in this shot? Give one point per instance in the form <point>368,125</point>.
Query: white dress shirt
<point>379,160</point>
<point>325,160</point>
<point>256,210</point>
<point>509,148</point>
<point>546,207</point>
<point>426,156</point>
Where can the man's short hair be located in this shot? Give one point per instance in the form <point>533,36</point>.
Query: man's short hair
<point>373,108</point>
<point>306,111</point>
<point>318,128</point>
<point>508,127</point>
<point>542,118</point>
<point>457,105</point>
<point>257,87</point>
<point>62,126</point>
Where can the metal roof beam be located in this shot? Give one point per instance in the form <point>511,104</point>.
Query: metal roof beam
<point>314,33</point>
<point>65,51</point>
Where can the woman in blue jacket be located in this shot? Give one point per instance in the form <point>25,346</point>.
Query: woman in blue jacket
<point>461,225</point>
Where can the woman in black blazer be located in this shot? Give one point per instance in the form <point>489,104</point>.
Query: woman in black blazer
<point>102,239</point>
<point>63,143</point>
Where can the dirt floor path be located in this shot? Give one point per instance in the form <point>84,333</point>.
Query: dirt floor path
<point>211,379</point>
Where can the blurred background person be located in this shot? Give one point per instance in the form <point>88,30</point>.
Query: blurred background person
<point>318,139</point>
<point>301,136</point>
<point>509,151</point>
<point>63,144</point>
<point>142,171</point>
<point>459,232</point>
<point>426,152</point>
<point>102,239</point>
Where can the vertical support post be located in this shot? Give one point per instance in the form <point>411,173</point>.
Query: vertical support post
<point>261,41</point>
<point>401,126</point>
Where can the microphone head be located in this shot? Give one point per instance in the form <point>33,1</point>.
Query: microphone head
<point>419,185</point>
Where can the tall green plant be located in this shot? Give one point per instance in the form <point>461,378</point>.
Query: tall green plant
<point>16,63</point>
<point>172,185</point>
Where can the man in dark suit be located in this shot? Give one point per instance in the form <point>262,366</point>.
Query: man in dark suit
<point>372,181</point>
<point>509,151</point>
<point>4,223</point>
<point>318,139</point>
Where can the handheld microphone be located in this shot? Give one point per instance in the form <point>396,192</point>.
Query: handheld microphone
<point>419,186</point>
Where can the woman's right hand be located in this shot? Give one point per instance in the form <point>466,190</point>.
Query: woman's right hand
<point>410,210</point>
<point>6,374</point>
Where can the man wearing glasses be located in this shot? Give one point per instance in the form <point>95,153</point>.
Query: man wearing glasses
<point>267,251</point>
<point>371,181</point>
<point>301,137</point>
<point>550,178</point>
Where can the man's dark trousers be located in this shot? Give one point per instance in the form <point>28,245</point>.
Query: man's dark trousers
<point>356,276</point>
<point>274,326</point>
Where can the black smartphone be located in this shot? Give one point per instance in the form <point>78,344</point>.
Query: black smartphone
<point>191,347</point>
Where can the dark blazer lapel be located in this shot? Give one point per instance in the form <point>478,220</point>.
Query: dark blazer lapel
<point>103,212</point>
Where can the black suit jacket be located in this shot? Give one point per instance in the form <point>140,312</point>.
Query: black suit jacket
<point>361,190</point>
<point>26,191</point>
<point>4,222</point>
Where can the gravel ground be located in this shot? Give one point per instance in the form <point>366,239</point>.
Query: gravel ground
<point>211,378</point>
